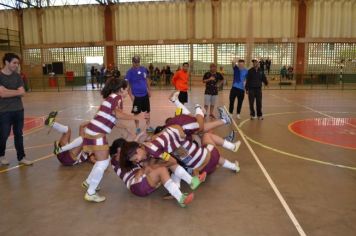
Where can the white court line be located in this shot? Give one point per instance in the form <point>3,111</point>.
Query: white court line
<point>310,109</point>
<point>270,181</point>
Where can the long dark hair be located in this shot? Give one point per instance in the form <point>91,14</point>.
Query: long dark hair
<point>113,85</point>
<point>159,129</point>
<point>127,151</point>
<point>118,143</point>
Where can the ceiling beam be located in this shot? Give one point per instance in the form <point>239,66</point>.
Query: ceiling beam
<point>28,3</point>
<point>100,2</point>
<point>5,5</point>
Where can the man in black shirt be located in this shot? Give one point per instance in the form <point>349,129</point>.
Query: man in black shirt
<point>212,81</point>
<point>11,108</point>
<point>254,80</point>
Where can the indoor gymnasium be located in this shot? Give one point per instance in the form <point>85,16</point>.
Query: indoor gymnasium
<point>186,117</point>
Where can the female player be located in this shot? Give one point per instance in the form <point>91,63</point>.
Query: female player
<point>68,153</point>
<point>143,180</point>
<point>95,133</point>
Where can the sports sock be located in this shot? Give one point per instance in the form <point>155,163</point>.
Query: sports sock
<point>96,175</point>
<point>176,179</point>
<point>75,143</point>
<point>229,165</point>
<point>60,128</point>
<point>173,189</point>
<point>181,173</point>
<point>228,145</point>
<point>180,105</point>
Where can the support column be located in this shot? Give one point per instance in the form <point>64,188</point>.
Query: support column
<point>108,36</point>
<point>216,31</point>
<point>302,19</point>
<point>250,39</point>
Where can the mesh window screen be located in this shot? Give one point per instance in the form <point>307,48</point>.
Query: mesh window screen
<point>32,56</point>
<point>330,57</point>
<point>228,51</point>
<point>203,56</point>
<point>158,55</point>
<point>75,58</point>
<point>280,54</point>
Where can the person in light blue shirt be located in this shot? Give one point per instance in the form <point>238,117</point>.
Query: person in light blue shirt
<point>238,86</point>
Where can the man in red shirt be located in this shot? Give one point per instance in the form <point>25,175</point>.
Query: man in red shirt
<point>180,82</point>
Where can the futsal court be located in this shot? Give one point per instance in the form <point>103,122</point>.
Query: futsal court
<point>290,182</point>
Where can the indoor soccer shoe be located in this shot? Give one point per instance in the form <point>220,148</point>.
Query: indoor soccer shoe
<point>231,136</point>
<point>94,198</point>
<point>26,162</point>
<point>237,146</point>
<point>51,118</point>
<point>186,199</point>
<point>197,180</point>
<point>4,161</point>
<point>224,115</point>
<point>86,186</point>
<point>202,177</point>
<point>56,148</point>
<point>237,167</point>
<point>150,129</point>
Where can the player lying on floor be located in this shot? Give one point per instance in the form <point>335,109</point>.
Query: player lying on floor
<point>68,152</point>
<point>193,125</point>
<point>144,178</point>
<point>172,141</point>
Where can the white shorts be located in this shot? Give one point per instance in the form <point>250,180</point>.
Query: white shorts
<point>210,99</point>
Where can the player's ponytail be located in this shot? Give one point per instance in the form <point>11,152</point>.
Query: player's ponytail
<point>113,85</point>
<point>118,143</point>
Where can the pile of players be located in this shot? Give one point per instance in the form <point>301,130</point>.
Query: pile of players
<point>182,149</point>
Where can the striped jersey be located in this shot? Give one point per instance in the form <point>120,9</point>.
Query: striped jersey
<point>188,123</point>
<point>185,150</point>
<point>105,119</point>
<point>127,176</point>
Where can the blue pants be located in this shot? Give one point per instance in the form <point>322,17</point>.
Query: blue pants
<point>14,119</point>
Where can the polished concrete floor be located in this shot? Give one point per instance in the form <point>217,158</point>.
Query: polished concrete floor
<point>317,181</point>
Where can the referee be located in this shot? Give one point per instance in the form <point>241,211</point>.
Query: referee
<point>254,79</point>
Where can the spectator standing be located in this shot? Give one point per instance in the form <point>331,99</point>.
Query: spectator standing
<point>168,75</point>
<point>180,82</point>
<point>290,73</point>
<point>238,86</point>
<point>92,77</point>
<point>283,72</point>
<point>254,79</point>
<point>212,80</point>
<point>139,91</point>
<point>268,65</point>
<point>11,108</point>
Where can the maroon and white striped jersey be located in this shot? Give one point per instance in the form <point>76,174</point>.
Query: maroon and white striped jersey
<point>188,123</point>
<point>105,119</point>
<point>185,150</point>
<point>166,142</point>
<point>127,176</point>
